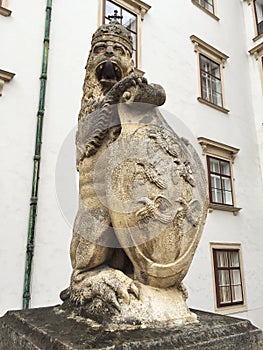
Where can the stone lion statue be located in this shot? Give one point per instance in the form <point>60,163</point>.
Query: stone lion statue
<point>142,196</point>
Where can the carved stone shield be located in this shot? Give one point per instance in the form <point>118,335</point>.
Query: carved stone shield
<point>156,193</point>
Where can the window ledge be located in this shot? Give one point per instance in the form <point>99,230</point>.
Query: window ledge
<point>137,6</point>
<point>217,149</point>
<point>258,37</point>
<point>257,51</point>
<point>139,71</point>
<point>202,47</point>
<point>5,76</point>
<point>213,206</point>
<point>226,310</point>
<point>205,10</point>
<point>4,11</point>
<point>210,104</point>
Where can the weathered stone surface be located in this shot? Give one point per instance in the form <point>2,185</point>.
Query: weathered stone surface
<point>152,307</point>
<point>54,329</point>
<point>142,193</point>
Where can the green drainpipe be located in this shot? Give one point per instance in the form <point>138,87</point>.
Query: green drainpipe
<point>37,158</point>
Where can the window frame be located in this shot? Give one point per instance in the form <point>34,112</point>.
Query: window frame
<point>136,7</point>
<point>221,176</point>
<point>231,307</point>
<point>257,23</point>
<point>131,31</point>
<point>211,91</point>
<point>257,52</point>
<point>255,20</point>
<point>201,7</point>
<point>213,54</point>
<point>222,152</point>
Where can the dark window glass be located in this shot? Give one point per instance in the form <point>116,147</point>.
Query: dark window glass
<point>129,20</point>
<point>259,16</point>
<point>211,81</point>
<point>220,182</point>
<point>229,290</point>
<point>207,4</point>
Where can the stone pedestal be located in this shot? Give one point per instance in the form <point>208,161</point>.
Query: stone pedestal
<point>54,329</point>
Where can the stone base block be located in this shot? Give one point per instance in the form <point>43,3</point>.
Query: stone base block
<point>53,329</point>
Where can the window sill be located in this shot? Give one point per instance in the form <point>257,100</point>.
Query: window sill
<point>210,104</point>
<point>5,77</point>
<point>258,37</point>
<point>139,71</point>
<point>205,10</point>
<point>5,12</point>
<point>226,310</point>
<point>223,207</point>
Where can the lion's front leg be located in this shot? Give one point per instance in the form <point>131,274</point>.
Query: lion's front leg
<point>109,285</point>
<point>135,88</point>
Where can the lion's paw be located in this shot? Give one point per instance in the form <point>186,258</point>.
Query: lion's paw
<point>110,285</point>
<point>118,93</point>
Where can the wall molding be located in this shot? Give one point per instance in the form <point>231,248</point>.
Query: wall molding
<point>219,149</point>
<point>4,11</point>
<point>202,47</point>
<point>257,51</point>
<point>5,76</point>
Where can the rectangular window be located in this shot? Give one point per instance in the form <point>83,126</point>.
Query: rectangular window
<point>259,16</point>
<point>228,278</point>
<point>220,159</point>
<point>207,4</point>
<point>128,20</point>
<point>211,62</point>
<point>220,182</point>
<point>257,52</point>
<point>211,88</point>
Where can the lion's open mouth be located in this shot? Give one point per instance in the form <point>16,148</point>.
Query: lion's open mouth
<point>108,72</point>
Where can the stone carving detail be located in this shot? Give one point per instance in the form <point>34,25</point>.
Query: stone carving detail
<point>142,196</point>
<point>151,174</point>
<point>153,209</point>
<point>166,142</point>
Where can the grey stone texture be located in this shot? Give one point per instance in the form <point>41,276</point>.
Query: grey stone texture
<point>54,329</point>
<point>143,195</point>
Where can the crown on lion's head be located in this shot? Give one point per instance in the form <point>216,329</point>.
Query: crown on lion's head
<point>104,68</point>
<point>113,31</point>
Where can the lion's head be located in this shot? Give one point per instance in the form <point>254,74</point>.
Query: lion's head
<point>110,60</point>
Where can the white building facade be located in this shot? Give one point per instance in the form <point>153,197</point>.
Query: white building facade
<point>208,56</point>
